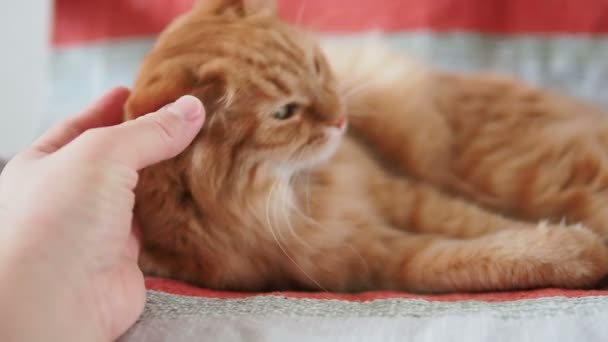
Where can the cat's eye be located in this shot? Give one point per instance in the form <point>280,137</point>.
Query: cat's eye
<point>286,112</point>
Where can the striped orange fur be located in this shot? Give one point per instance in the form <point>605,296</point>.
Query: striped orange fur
<point>438,185</point>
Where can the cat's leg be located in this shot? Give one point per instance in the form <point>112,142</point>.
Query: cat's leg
<point>418,207</point>
<point>372,258</point>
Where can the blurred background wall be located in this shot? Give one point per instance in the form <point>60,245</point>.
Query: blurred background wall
<point>24,61</point>
<point>97,44</point>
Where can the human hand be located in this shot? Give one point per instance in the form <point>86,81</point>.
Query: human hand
<point>68,256</point>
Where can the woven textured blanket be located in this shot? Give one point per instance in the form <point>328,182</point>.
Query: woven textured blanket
<point>561,44</point>
<point>177,312</point>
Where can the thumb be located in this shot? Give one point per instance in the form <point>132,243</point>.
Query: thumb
<point>153,137</point>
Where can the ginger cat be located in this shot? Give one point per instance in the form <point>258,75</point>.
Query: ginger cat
<point>438,185</point>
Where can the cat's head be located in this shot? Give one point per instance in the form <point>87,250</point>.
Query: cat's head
<point>268,90</point>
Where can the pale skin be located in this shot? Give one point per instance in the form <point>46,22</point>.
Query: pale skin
<point>68,262</point>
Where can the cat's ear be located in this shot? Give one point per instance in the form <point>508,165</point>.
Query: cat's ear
<point>240,8</point>
<point>152,91</point>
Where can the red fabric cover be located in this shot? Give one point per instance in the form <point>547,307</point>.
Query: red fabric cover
<point>78,21</point>
<point>177,288</point>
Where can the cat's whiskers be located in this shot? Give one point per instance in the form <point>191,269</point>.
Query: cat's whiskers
<point>270,217</point>
<point>278,242</point>
<point>276,202</point>
<point>350,91</point>
<point>307,193</point>
<point>356,252</point>
<point>287,205</point>
<point>316,223</point>
<point>308,218</point>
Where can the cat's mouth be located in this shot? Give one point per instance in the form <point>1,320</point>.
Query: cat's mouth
<point>321,140</point>
<point>316,139</point>
<point>318,148</point>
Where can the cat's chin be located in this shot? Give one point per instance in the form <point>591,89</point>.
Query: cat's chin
<point>316,155</point>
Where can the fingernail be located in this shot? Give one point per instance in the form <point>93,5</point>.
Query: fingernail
<point>187,107</point>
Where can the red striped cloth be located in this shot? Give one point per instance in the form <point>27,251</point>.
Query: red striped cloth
<point>85,21</point>
<point>178,288</point>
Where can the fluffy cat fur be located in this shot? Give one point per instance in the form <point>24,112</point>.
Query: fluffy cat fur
<point>438,185</point>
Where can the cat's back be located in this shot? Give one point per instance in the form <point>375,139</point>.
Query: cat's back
<point>458,110</point>
<point>498,98</point>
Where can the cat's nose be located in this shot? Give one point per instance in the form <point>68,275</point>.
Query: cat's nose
<point>340,122</point>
